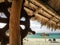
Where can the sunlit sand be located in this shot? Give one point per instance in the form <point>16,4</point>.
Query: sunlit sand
<point>40,41</point>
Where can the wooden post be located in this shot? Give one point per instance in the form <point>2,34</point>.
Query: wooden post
<point>15,36</point>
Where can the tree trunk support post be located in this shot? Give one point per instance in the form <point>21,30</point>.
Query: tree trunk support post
<point>15,35</point>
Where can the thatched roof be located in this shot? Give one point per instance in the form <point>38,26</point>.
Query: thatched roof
<point>5,0</point>
<point>54,4</point>
<point>43,13</point>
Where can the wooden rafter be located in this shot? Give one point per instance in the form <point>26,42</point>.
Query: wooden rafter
<point>47,13</point>
<point>4,20</point>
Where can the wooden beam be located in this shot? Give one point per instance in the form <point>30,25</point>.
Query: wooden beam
<point>15,35</point>
<point>4,20</point>
<point>50,12</point>
<point>45,13</point>
<point>43,16</point>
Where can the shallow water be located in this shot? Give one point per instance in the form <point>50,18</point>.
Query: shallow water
<point>51,35</point>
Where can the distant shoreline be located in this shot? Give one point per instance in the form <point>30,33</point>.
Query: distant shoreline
<point>50,35</point>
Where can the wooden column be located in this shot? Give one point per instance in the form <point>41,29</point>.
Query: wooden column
<point>15,36</point>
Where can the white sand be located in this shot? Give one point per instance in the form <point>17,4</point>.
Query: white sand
<point>40,41</point>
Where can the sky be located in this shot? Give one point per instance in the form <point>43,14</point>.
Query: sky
<point>34,25</point>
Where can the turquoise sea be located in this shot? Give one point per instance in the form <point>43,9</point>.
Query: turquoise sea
<point>39,35</point>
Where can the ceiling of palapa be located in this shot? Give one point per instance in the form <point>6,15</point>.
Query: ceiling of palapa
<point>47,12</point>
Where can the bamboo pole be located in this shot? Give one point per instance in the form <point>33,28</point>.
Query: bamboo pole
<point>15,35</point>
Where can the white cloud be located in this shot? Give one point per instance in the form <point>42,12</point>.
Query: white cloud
<point>36,26</point>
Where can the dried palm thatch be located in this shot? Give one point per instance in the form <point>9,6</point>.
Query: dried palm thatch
<point>44,14</point>
<point>5,0</point>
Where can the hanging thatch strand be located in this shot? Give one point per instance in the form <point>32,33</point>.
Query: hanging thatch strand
<point>46,16</point>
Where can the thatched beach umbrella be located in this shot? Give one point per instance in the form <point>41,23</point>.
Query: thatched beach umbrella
<point>44,35</point>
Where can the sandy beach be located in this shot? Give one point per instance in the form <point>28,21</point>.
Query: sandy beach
<point>40,41</point>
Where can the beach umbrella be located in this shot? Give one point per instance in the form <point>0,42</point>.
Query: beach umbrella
<point>44,35</point>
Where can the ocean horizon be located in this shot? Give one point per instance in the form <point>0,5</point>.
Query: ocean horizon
<point>50,35</point>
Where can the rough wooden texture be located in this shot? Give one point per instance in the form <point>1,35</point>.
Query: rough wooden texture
<point>15,35</point>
